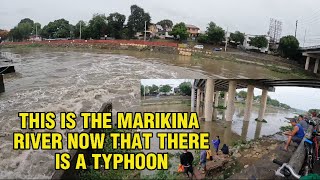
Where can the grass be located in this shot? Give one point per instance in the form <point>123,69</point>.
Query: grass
<point>264,121</point>
<point>286,128</point>
<point>103,174</point>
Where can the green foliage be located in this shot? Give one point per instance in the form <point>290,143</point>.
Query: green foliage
<point>288,46</point>
<point>215,33</point>
<point>142,90</point>
<point>179,31</point>
<point>185,88</point>
<point>259,42</point>
<point>286,128</point>
<point>98,26</point>
<point>237,37</point>
<point>165,89</point>
<point>83,29</point>
<point>153,89</point>
<point>203,38</point>
<point>166,24</point>
<point>115,24</point>
<point>137,19</point>
<point>25,28</point>
<point>242,94</point>
<point>314,110</point>
<point>57,29</point>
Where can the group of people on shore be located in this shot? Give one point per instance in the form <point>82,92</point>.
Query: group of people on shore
<point>300,127</point>
<point>186,158</point>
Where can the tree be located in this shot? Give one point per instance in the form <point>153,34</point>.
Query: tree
<point>77,29</point>
<point>166,24</point>
<point>23,30</point>
<point>215,33</point>
<point>165,89</point>
<point>288,46</point>
<point>4,34</point>
<point>242,94</point>
<point>259,42</point>
<point>137,19</point>
<point>180,31</point>
<point>203,38</point>
<point>153,89</point>
<point>142,90</point>
<point>185,88</point>
<point>98,26</point>
<point>237,37</point>
<point>115,24</point>
<point>57,29</point>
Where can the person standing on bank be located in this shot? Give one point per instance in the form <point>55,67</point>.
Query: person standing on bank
<point>216,144</point>
<point>203,160</point>
<point>186,159</point>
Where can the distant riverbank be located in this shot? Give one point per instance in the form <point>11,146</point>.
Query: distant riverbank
<point>272,63</point>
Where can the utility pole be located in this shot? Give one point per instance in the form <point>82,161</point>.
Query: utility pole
<point>36,31</point>
<point>295,34</point>
<point>305,33</point>
<point>145,30</point>
<point>80,29</point>
<point>226,44</point>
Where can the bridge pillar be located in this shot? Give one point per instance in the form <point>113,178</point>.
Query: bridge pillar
<point>230,104</point>
<point>198,101</point>
<point>208,106</point>
<point>216,99</point>
<point>225,99</point>
<point>193,98</point>
<point>316,66</point>
<point>1,84</point>
<point>263,104</point>
<point>247,111</point>
<point>306,67</point>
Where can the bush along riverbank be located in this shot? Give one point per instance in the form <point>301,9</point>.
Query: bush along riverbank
<point>168,48</point>
<point>101,174</point>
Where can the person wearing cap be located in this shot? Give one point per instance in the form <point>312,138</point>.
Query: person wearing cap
<point>296,135</point>
<point>303,123</point>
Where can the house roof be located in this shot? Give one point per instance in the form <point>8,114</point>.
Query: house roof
<point>192,26</point>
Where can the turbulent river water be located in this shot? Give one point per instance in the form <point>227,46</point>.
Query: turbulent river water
<point>62,80</point>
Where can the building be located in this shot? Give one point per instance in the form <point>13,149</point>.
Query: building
<point>193,31</point>
<point>247,46</point>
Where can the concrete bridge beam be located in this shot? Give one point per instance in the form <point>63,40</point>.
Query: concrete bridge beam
<point>216,99</point>
<point>193,91</point>
<point>249,101</point>
<point>230,103</point>
<point>198,100</point>
<point>263,104</point>
<point>208,106</point>
<point>225,99</point>
<point>306,67</point>
<point>316,66</point>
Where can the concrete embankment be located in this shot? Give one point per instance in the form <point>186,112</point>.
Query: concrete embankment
<point>167,48</point>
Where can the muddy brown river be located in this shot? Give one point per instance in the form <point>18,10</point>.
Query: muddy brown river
<point>61,80</point>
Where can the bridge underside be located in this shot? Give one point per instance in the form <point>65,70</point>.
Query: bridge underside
<point>312,55</point>
<point>205,94</point>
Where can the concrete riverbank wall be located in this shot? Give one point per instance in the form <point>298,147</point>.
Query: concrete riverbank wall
<point>71,173</point>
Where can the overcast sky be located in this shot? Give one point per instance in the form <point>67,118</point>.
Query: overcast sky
<point>249,16</point>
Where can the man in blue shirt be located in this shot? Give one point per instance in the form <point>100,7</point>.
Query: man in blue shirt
<point>296,135</point>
